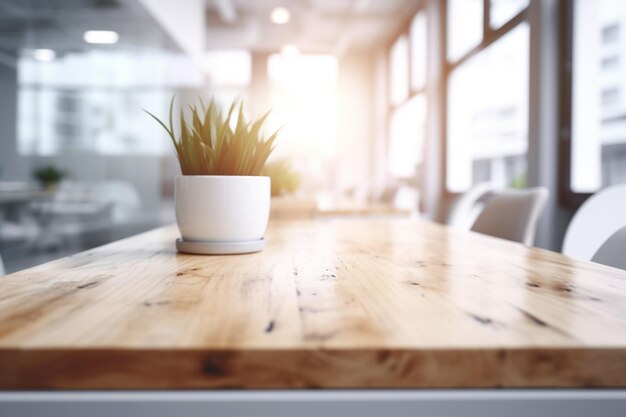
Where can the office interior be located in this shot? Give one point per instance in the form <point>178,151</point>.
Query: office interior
<point>401,104</point>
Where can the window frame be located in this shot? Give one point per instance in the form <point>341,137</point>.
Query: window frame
<point>405,30</point>
<point>490,36</point>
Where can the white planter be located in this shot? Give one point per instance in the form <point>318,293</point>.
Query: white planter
<point>219,209</point>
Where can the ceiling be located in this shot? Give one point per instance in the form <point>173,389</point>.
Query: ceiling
<point>316,26</point>
<point>60,24</point>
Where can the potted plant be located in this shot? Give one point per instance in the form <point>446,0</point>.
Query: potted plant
<point>285,182</point>
<point>222,199</point>
<point>48,177</point>
<point>284,179</point>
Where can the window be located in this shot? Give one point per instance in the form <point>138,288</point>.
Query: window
<point>610,33</point>
<point>90,102</point>
<point>406,137</point>
<point>504,10</point>
<point>418,34</point>
<point>229,68</point>
<point>465,27</point>
<point>399,70</point>
<point>610,63</point>
<point>407,99</point>
<point>598,108</point>
<point>303,98</point>
<point>488,115</point>
<point>610,97</point>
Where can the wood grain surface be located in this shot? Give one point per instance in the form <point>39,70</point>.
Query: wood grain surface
<point>327,304</point>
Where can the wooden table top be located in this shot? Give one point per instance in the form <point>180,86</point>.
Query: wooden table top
<point>328,303</point>
<point>365,209</point>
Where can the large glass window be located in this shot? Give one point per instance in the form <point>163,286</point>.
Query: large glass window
<point>598,148</point>
<point>465,26</point>
<point>399,70</point>
<point>407,118</point>
<point>230,67</point>
<point>406,137</point>
<point>502,11</point>
<point>418,36</point>
<point>488,115</point>
<point>303,98</point>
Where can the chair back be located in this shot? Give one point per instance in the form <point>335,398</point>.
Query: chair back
<point>595,222</point>
<point>467,207</point>
<point>613,251</point>
<point>512,214</point>
<point>2,270</point>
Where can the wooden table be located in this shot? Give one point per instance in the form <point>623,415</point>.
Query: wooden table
<point>327,304</point>
<point>352,207</point>
<point>364,209</point>
<point>20,192</point>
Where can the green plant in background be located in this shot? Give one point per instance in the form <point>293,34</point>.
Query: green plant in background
<point>284,179</point>
<point>520,182</point>
<point>207,145</point>
<point>48,176</point>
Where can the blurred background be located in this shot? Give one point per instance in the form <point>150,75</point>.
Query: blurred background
<point>389,107</point>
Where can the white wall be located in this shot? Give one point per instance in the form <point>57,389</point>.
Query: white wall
<point>355,123</point>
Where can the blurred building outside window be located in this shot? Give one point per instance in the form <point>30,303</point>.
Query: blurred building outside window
<point>488,115</point>
<point>598,147</point>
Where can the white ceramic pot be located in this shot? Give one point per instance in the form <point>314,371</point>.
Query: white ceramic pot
<point>222,208</point>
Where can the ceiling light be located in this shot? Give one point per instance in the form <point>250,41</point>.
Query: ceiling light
<point>280,15</point>
<point>103,37</point>
<point>44,54</point>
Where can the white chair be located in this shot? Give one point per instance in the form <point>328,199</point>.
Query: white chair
<point>613,251</point>
<point>512,214</point>
<point>467,207</point>
<point>2,270</point>
<point>595,222</point>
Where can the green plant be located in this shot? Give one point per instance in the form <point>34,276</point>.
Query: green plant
<point>520,182</point>
<point>284,179</point>
<point>48,175</point>
<point>209,146</point>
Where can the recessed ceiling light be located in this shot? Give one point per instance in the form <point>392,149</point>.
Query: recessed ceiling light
<point>44,54</point>
<point>280,15</point>
<point>102,37</point>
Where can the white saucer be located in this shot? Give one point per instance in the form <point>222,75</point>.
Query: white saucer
<point>219,248</point>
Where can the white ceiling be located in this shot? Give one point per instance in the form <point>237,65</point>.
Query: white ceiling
<point>316,26</point>
<point>322,26</point>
